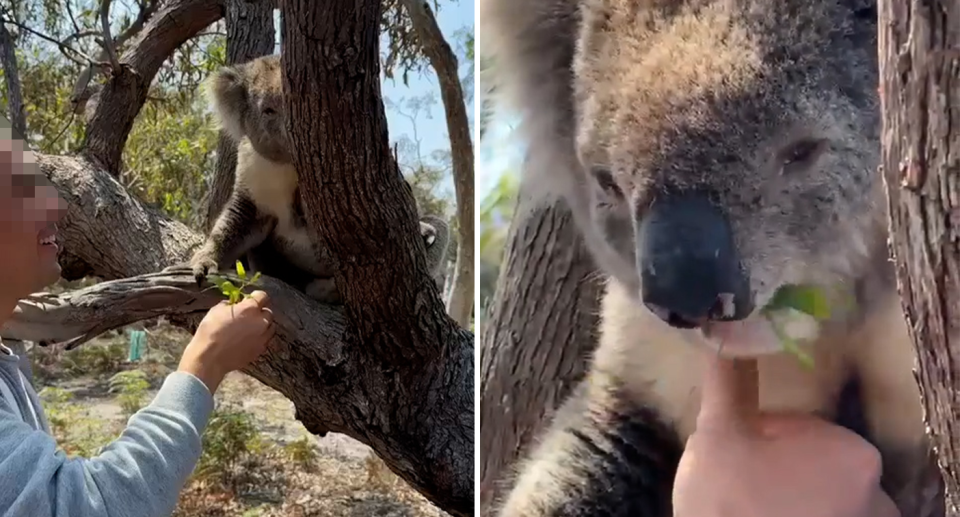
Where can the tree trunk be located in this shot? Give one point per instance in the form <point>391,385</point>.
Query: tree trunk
<point>18,117</point>
<point>920,95</point>
<point>536,343</point>
<point>250,34</point>
<point>389,368</point>
<point>444,63</point>
<point>365,213</point>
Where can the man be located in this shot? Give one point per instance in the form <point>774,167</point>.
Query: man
<point>142,472</point>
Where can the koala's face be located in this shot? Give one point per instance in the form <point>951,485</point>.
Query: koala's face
<point>730,151</point>
<point>249,100</point>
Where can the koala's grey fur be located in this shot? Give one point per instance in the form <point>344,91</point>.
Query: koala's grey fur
<point>263,219</point>
<point>773,106</point>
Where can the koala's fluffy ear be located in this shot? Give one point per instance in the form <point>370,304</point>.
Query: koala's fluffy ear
<point>227,91</point>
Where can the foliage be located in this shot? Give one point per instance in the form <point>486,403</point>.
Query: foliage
<point>301,452</point>
<point>131,387</point>
<point>229,438</point>
<point>77,434</point>
<point>94,360</point>
<point>234,293</point>
<point>494,218</point>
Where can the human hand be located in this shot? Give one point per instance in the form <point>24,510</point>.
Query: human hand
<point>738,464</point>
<point>229,338</point>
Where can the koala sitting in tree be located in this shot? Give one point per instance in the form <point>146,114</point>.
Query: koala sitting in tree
<point>712,152</point>
<point>263,219</point>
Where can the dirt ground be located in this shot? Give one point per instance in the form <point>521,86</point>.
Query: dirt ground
<point>340,477</point>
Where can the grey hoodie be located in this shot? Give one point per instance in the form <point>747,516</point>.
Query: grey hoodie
<point>140,474</point>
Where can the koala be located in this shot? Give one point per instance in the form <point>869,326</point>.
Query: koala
<point>263,219</point>
<point>712,152</point>
<point>436,237</point>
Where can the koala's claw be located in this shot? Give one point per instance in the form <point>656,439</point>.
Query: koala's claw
<point>202,268</point>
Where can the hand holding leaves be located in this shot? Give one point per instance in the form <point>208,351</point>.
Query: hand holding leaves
<point>233,292</point>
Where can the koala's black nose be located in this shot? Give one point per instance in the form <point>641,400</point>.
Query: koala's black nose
<point>689,267</point>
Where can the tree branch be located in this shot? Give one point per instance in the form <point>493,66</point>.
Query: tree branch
<point>82,89</point>
<point>108,43</point>
<point>444,62</point>
<point>76,317</point>
<point>105,227</point>
<point>123,95</point>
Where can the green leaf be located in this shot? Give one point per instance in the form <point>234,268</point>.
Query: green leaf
<point>810,300</point>
<point>226,286</point>
<point>256,276</point>
<point>240,271</point>
<point>790,346</point>
<point>235,296</point>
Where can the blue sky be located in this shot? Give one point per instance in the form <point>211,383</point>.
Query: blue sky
<point>432,129</point>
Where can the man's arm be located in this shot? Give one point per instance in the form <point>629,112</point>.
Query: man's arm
<point>140,474</point>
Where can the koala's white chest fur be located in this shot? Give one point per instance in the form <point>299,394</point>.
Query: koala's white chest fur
<point>272,186</point>
<point>657,365</point>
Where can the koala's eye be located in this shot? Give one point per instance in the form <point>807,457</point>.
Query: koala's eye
<point>269,111</point>
<point>801,154</point>
<point>604,178</point>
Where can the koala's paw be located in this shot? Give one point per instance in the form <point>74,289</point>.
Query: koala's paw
<point>428,232</point>
<point>203,265</point>
<point>324,290</point>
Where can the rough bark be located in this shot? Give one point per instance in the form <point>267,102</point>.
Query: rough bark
<point>536,342</point>
<point>444,62</point>
<point>11,73</point>
<point>420,373</point>
<point>920,95</point>
<point>389,368</point>
<point>108,228</point>
<point>250,34</point>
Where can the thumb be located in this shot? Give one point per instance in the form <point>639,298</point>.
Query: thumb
<point>260,298</point>
<point>728,399</point>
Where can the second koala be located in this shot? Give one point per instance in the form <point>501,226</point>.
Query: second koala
<point>263,219</point>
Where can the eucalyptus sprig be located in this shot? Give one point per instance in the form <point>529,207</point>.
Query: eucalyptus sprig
<point>807,299</point>
<point>233,292</point>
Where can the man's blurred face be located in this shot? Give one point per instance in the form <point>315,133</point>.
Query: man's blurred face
<point>29,210</point>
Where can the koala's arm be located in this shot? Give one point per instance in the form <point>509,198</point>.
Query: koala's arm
<point>598,459</point>
<point>240,227</point>
<point>436,237</point>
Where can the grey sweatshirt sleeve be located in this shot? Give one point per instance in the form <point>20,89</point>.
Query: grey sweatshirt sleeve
<point>140,474</point>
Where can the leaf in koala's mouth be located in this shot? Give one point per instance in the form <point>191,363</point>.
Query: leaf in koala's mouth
<point>806,299</point>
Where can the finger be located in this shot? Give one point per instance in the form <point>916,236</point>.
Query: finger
<point>773,425</point>
<point>728,398</point>
<point>883,506</point>
<point>269,332</point>
<point>260,297</point>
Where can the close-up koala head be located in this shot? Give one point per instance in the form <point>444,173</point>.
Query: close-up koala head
<point>728,148</point>
<point>248,100</point>
<point>711,151</point>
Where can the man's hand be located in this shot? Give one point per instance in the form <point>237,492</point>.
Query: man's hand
<point>740,465</point>
<point>229,338</point>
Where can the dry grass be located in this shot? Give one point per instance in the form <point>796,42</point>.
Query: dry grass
<point>281,471</point>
